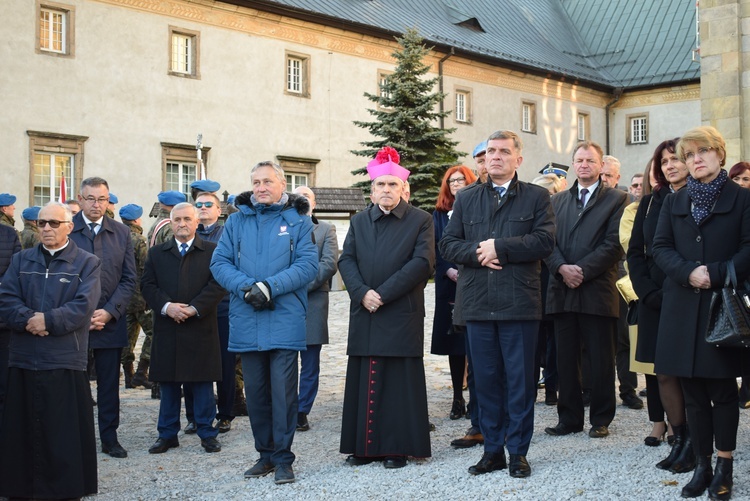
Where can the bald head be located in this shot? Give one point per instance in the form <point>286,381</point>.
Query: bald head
<point>308,194</point>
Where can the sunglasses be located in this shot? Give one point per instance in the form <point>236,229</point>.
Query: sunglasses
<point>53,223</point>
<point>201,204</point>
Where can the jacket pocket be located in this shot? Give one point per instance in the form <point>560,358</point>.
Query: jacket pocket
<point>520,225</point>
<point>474,228</point>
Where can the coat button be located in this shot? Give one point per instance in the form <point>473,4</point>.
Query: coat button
<point>697,291</point>
<point>698,238</point>
<point>698,262</point>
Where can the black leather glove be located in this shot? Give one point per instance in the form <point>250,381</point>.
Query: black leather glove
<point>257,298</point>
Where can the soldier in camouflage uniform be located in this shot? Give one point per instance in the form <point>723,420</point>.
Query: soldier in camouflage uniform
<point>110,211</point>
<point>8,210</point>
<point>161,230</point>
<point>138,315</point>
<point>30,233</point>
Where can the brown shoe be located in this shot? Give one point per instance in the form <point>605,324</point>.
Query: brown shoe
<point>473,437</point>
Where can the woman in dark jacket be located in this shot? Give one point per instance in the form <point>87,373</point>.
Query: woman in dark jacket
<point>700,229</point>
<point>664,391</point>
<point>445,339</point>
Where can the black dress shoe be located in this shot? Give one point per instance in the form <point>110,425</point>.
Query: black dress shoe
<point>302,423</point>
<point>191,428</point>
<point>224,425</point>
<point>394,461</point>
<point>491,461</point>
<point>632,401</point>
<point>598,431</point>
<point>210,444</point>
<point>114,449</point>
<point>353,460</point>
<point>163,445</point>
<point>260,469</point>
<point>561,429</point>
<point>519,467</point>
<point>284,474</point>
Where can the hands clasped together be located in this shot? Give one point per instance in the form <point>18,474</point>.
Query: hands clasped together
<point>258,296</point>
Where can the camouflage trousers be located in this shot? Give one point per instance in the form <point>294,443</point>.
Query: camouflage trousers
<point>136,321</point>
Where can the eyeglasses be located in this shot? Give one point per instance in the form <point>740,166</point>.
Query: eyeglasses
<point>201,204</point>
<point>702,152</point>
<point>53,223</point>
<point>100,201</point>
<point>636,185</point>
<point>457,180</point>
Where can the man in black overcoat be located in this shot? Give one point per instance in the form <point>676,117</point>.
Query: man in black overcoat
<point>178,286</point>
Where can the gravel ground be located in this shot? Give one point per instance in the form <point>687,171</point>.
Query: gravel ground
<point>571,467</point>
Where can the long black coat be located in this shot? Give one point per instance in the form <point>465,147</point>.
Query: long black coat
<point>680,246</point>
<point>187,351</point>
<point>590,239</point>
<point>645,274</point>
<point>393,254</point>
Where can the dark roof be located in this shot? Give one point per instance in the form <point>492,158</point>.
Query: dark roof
<point>339,200</point>
<point>634,43</point>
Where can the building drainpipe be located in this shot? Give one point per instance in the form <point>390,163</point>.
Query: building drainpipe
<point>617,93</point>
<point>440,83</point>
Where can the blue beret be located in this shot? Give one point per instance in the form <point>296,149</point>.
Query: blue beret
<point>113,198</point>
<point>7,199</point>
<point>172,197</point>
<point>31,213</point>
<point>131,212</point>
<point>230,199</point>
<point>205,185</point>
<point>479,149</point>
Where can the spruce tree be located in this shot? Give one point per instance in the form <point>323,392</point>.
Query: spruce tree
<point>405,119</point>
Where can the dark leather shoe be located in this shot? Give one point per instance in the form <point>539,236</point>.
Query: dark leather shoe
<point>210,444</point>
<point>114,449</point>
<point>560,430</point>
<point>353,460</point>
<point>302,423</point>
<point>721,485</point>
<point>224,425</point>
<point>491,461</point>
<point>163,445</point>
<point>458,410</point>
<point>632,401</point>
<point>473,437</point>
<point>284,474</point>
<point>702,477</point>
<point>598,431</point>
<point>394,461</point>
<point>519,467</point>
<point>260,469</point>
<point>191,428</point>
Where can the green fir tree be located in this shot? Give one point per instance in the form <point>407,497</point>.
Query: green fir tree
<point>405,119</point>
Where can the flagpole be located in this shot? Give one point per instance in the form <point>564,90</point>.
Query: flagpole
<point>199,148</point>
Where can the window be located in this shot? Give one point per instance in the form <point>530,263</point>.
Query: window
<point>583,126</point>
<point>528,117</point>
<point>298,171</point>
<point>181,166</point>
<point>54,29</point>
<point>637,129</point>
<point>54,158</point>
<point>183,52</point>
<point>384,94</point>
<point>462,110</point>
<point>297,74</point>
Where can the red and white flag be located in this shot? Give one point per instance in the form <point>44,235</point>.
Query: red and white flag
<point>62,190</point>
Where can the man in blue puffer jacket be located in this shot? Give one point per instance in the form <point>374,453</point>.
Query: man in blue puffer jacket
<point>265,259</point>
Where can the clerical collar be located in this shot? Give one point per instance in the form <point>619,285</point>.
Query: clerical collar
<point>89,221</point>
<point>386,212</point>
<point>52,252</point>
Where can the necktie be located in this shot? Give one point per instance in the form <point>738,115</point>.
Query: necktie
<point>500,190</point>
<point>584,192</point>
<point>183,249</point>
<point>93,227</point>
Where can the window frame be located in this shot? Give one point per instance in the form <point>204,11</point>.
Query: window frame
<point>468,105</point>
<point>583,119</point>
<point>51,143</point>
<point>529,128</point>
<point>68,32</point>
<point>195,42</point>
<point>382,76</point>
<point>304,76</point>
<point>297,166</point>
<point>182,154</point>
<point>629,122</point>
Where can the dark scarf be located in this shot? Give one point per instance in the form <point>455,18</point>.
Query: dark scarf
<point>704,195</point>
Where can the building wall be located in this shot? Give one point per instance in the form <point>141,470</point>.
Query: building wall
<point>117,91</point>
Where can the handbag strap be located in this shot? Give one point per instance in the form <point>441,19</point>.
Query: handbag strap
<point>731,275</point>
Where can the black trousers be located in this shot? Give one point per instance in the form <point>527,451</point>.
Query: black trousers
<point>574,331</point>
<point>107,362</point>
<point>713,413</point>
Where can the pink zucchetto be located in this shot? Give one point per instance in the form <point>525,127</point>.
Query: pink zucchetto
<point>386,164</point>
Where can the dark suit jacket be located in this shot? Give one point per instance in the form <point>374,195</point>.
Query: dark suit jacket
<point>112,245</point>
<point>187,351</point>
<point>317,291</point>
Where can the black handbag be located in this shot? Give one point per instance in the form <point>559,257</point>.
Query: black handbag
<point>632,316</point>
<point>729,313</point>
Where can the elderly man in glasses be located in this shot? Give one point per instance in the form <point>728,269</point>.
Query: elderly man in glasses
<point>110,241</point>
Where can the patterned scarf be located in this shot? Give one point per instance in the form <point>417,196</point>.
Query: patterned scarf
<point>704,195</point>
